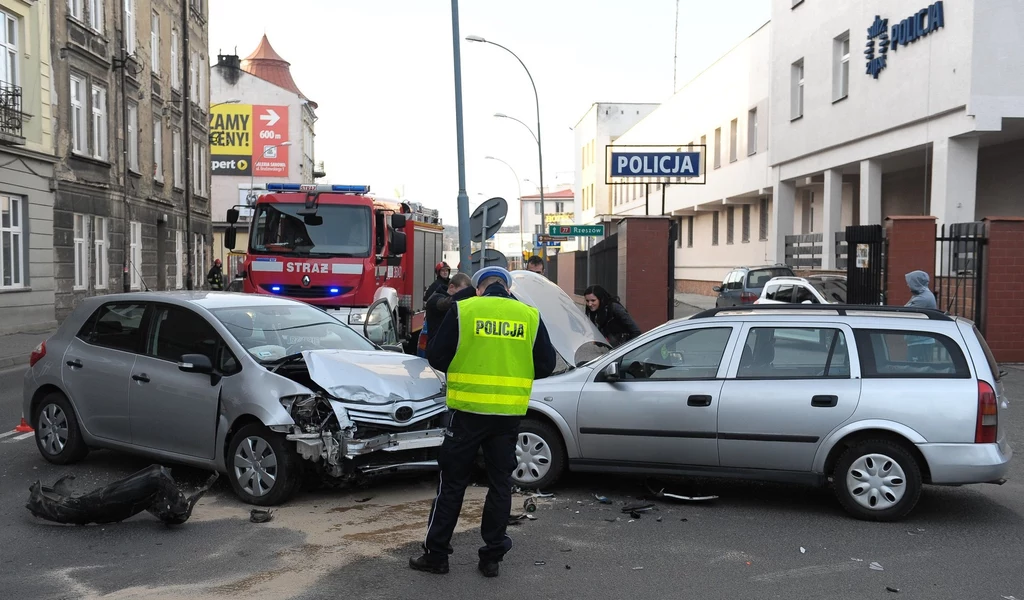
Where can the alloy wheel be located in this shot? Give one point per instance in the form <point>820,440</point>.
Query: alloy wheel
<point>255,466</point>
<point>53,429</point>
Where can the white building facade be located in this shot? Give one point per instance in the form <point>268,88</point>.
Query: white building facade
<point>806,134</point>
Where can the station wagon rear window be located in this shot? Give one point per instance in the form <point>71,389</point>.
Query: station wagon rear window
<point>910,354</point>
<point>757,278</point>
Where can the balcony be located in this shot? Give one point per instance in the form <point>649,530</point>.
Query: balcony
<point>11,117</point>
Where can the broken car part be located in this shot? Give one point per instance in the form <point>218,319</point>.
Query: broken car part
<point>257,515</point>
<point>151,489</point>
<point>662,494</point>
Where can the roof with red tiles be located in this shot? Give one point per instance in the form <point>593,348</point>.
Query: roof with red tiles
<point>267,64</point>
<point>559,195</point>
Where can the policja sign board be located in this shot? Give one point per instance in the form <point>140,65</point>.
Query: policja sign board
<point>245,140</point>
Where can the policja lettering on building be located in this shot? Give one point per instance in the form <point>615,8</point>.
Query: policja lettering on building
<point>502,329</point>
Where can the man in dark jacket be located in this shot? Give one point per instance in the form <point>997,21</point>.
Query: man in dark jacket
<point>216,276</point>
<point>442,272</point>
<point>491,355</point>
<point>460,286</point>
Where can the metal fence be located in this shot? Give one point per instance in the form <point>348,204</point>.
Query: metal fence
<point>603,266</point>
<point>959,280</point>
<point>804,251</point>
<point>11,117</point>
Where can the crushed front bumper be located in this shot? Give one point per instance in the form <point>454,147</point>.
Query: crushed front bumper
<point>316,446</point>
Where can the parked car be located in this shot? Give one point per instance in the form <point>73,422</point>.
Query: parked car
<point>743,285</point>
<point>258,387</point>
<point>730,393</point>
<point>817,289</point>
<point>237,284</point>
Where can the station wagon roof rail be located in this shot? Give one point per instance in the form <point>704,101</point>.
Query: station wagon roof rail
<point>839,309</point>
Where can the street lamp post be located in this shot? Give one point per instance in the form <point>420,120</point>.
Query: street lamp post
<point>540,153</point>
<point>519,186</point>
<point>463,198</point>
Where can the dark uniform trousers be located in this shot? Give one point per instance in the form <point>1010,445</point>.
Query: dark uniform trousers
<point>468,432</point>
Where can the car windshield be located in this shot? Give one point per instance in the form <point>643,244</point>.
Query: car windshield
<point>336,230</point>
<point>269,333</point>
<point>757,278</point>
<point>832,290</point>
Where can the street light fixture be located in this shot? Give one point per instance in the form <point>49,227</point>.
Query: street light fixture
<point>522,241</point>
<point>540,153</point>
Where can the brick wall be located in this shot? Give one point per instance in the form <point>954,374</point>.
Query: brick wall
<point>644,270</point>
<point>567,272</point>
<point>911,248</point>
<point>1004,288</point>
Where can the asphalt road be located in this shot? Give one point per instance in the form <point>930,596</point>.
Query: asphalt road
<point>755,541</point>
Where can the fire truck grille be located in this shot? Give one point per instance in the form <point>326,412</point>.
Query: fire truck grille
<point>313,291</point>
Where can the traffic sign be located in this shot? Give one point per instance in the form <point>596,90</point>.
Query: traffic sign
<point>492,258</point>
<point>576,230</point>
<point>552,238</point>
<point>487,219</point>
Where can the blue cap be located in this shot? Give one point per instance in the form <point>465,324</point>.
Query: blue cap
<point>486,272</point>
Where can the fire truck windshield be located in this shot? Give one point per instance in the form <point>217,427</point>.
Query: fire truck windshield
<point>343,232</point>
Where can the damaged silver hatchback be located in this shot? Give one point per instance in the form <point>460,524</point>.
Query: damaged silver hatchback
<point>266,390</point>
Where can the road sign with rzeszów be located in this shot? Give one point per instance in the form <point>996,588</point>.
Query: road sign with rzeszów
<point>577,230</point>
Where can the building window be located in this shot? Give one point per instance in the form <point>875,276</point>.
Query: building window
<point>99,122</point>
<point>689,232</point>
<point>9,48</point>
<point>718,148</point>
<point>176,157</point>
<point>135,255</point>
<point>797,92</point>
<point>730,225</point>
<point>96,15</point>
<point>77,114</point>
<point>746,223</point>
<point>193,77</point>
<point>752,132</point>
<point>179,254</point>
<point>158,150</point>
<point>538,229</point>
<point>536,208</point>
<point>841,67</point>
<point>198,261</point>
<point>175,65</point>
<point>195,165</point>
<point>559,207</point>
<point>80,240</point>
<point>734,140</point>
<point>133,136</point>
<point>704,157</point>
<point>154,42</point>
<point>714,228</point>
<point>762,220</point>
<point>12,257</point>
<point>77,10</point>
<point>129,25</point>
<point>100,245</point>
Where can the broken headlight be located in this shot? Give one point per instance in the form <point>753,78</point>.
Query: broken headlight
<point>301,406</point>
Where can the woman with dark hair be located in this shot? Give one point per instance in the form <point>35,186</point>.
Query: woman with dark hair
<point>610,316</point>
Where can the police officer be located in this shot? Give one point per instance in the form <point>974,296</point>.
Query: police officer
<point>216,276</point>
<point>492,347</point>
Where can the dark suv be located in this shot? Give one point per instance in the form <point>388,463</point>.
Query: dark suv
<point>743,285</point>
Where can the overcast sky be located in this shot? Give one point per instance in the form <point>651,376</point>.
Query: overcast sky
<point>382,74</point>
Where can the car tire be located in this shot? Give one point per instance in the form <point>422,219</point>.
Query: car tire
<point>254,443</point>
<point>58,436</point>
<point>878,480</point>
<point>540,455</point>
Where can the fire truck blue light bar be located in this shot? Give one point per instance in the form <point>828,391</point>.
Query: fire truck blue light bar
<point>318,187</point>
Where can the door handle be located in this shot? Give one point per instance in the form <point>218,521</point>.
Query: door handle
<point>76,364</point>
<point>698,400</point>
<point>141,377</point>
<point>824,401</point>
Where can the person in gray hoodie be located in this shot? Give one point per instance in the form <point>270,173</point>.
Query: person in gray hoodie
<point>921,297</point>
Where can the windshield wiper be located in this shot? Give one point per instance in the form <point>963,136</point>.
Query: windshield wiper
<point>305,325</point>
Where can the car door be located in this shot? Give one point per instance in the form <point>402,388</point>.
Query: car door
<point>379,327</point>
<point>98,364</point>
<point>788,387</point>
<point>663,407</point>
<point>171,410</point>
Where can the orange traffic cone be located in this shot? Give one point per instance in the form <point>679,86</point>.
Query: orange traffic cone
<point>24,427</point>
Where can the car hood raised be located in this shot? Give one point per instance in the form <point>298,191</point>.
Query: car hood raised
<point>372,377</point>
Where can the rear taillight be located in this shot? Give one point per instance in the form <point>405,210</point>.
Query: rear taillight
<point>747,298</point>
<point>37,354</point>
<point>988,415</point>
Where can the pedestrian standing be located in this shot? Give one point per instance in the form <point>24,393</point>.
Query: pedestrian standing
<point>921,296</point>
<point>610,316</point>
<point>216,276</point>
<point>535,264</point>
<point>491,347</point>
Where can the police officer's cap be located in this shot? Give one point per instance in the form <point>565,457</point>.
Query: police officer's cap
<point>487,272</point>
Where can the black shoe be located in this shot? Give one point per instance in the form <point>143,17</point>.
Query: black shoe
<point>488,567</point>
<point>427,565</point>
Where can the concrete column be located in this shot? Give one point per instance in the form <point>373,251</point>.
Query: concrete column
<point>954,180</point>
<point>783,204</point>
<point>832,217</point>
<point>870,192</point>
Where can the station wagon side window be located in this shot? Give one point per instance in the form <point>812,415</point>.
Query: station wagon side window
<point>769,292</point>
<point>910,354</point>
<point>682,355</point>
<point>115,325</point>
<point>794,353</point>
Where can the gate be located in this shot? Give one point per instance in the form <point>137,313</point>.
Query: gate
<point>603,268</point>
<point>865,264</point>
<point>959,285</point>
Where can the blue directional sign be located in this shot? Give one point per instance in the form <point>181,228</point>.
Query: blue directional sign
<point>655,164</point>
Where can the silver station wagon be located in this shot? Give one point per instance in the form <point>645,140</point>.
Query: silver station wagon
<point>875,401</point>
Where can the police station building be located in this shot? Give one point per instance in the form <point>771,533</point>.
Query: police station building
<point>836,114</point>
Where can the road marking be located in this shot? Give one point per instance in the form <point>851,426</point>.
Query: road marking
<point>9,433</point>
<point>25,436</point>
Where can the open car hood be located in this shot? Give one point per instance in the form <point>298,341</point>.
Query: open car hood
<point>372,377</point>
<point>575,338</point>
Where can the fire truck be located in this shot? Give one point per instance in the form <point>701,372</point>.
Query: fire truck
<point>342,249</point>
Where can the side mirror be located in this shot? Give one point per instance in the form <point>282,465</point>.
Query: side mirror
<point>398,243</point>
<point>398,221</point>
<point>196,363</point>
<point>232,216</point>
<point>717,289</point>
<point>611,372</point>
<point>229,235</point>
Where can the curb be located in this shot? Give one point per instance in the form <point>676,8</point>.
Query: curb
<point>11,362</point>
